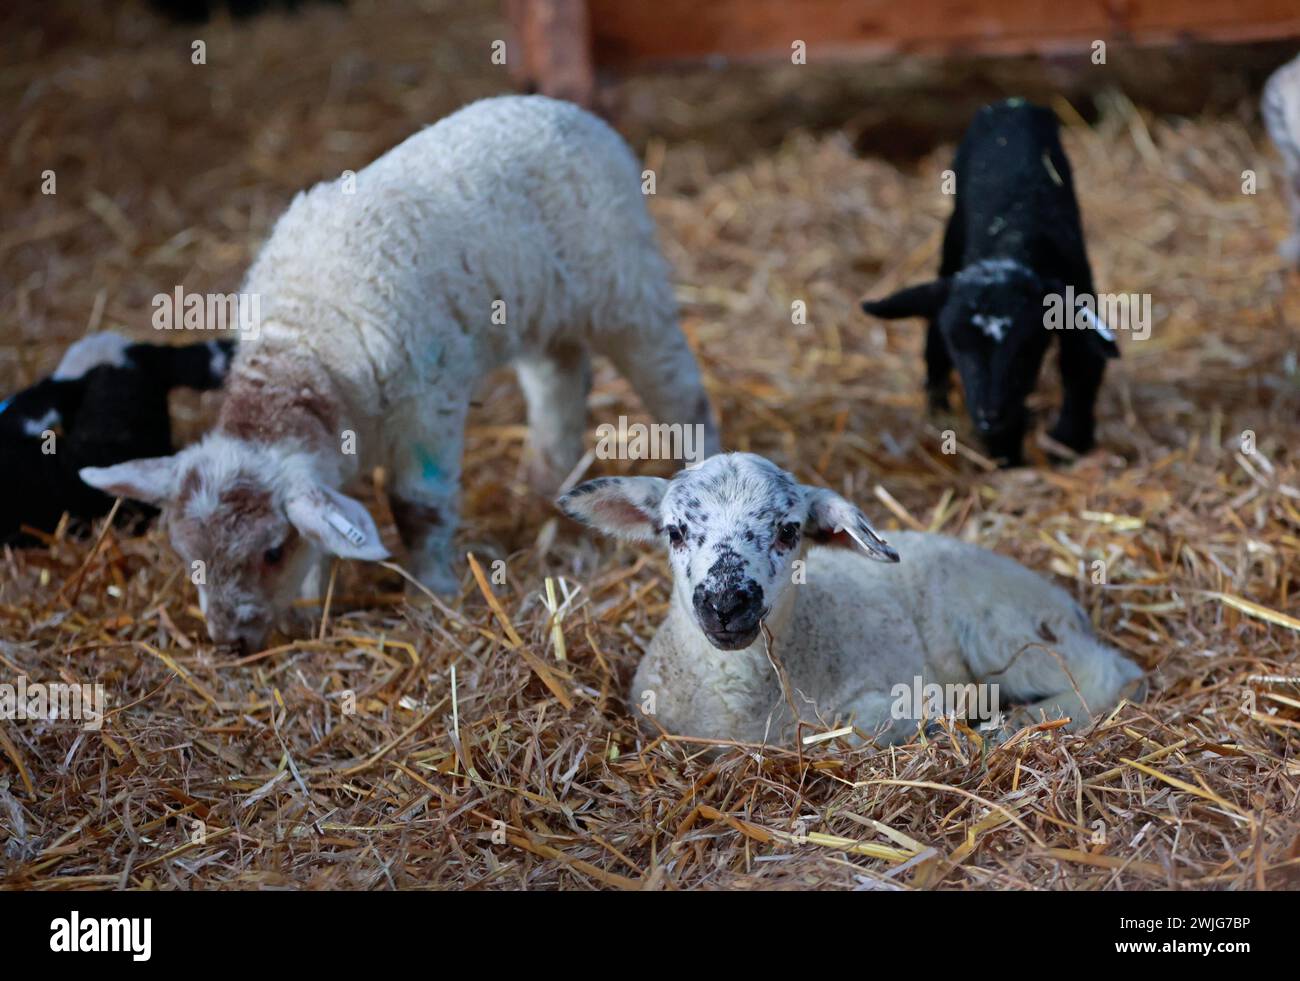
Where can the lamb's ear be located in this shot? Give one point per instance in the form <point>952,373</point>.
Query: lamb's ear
<point>834,521</point>
<point>625,507</point>
<point>923,300</point>
<point>150,479</point>
<point>337,523</point>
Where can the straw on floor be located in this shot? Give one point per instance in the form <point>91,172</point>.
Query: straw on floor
<point>488,743</point>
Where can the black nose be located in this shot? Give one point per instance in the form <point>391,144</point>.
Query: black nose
<point>239,639</point>
<point>234,644</point>
<point>735,609</point>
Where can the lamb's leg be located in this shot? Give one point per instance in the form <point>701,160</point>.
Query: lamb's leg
<point>874,713</point>
<point>938,368</point>
<point>1081,372</point>
<point>302,621</point>
<point>1075,677</point>
<point>659,365</point>
<point>425,493</point>
<point>555,386</point>
<point>316,582</point>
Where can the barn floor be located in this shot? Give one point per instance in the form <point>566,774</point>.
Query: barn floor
<point>475,756</point>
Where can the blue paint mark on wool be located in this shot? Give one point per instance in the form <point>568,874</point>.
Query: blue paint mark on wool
<point>430,472</point>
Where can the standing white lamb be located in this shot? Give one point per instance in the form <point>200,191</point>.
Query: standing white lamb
<point>514,230</point>
<point>1281,109</point>
<point>847,631</point>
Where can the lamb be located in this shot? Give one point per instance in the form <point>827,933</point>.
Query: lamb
<point>105,403</point>
<point>1013,243</point>
<point>1281,109</point>
<point>747,550</point>
<point>513,230</point>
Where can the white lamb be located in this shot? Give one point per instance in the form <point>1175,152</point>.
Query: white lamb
<point>1281,109</point>
<point>514,230</point>
<point>851,635</point>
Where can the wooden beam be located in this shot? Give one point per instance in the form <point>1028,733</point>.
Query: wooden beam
<point>551,51</point>
<point>633,34</point>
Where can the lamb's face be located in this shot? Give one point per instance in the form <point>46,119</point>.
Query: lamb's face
<point>993,327</point>
<point>733,528</point>
<point>245,557</point>
<point>249,521</point>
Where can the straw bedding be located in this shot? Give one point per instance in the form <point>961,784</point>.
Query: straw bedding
<point>490,746</point>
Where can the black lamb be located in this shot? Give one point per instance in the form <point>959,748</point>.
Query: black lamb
<point>105,404</point>
<point>1014,244</point>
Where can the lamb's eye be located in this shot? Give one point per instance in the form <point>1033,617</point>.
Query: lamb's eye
<point>676,535</point>
<point>788,533</point>
<point>272,556</point>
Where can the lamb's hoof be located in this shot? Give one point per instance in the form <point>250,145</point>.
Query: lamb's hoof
<point>1006,458</point>
<point>995,735</point>
<point>1005,446</point>
<point>1071,440</point>
<point>1055,447</point>
<point>1137,691</point>
<point>935,730</point>
<point>936,400</point>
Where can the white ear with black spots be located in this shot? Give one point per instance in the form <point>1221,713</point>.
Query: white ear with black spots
<point>624,507</point>
<point>832,520</point>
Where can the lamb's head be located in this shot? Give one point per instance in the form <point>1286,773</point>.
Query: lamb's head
<point>733,527</point>
<point>991,318</point>
<point>249,522</point>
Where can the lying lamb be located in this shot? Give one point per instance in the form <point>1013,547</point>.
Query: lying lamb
<point>1281,108</point>
<point>513,230</point>
<point>105,403</point>
<point>846,631</point>
<point>1014,240</point>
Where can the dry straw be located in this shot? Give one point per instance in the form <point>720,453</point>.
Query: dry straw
<point>487,743</point>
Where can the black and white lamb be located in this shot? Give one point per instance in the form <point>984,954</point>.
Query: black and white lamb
<point>750,547</point>
<point>1014,244</point>
<point>105,403</point>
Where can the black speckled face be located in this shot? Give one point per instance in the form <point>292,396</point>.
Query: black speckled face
<point>733,527</point>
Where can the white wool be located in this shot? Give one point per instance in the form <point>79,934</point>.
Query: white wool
<point>847,630</point>
<point>524,201</point>
<point>105,348</point>
<point>994,327</point>
<point>37,427</point>
<point>219,362</point>
<point>220,462</point>
<point>993,271</point>
<point>1281,109</point>
<point>514,230</point>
